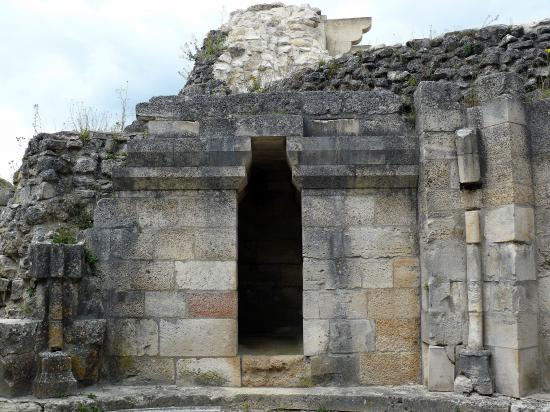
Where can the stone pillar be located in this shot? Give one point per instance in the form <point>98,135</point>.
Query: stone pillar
<point>510,285</point>
<point>441,234</point>
<point>167,249</point>
<point>360,261</point>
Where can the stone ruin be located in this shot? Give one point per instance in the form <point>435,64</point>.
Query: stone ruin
<point>289,239</point>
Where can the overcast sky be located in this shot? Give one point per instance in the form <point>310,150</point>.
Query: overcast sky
<point>55,52</point>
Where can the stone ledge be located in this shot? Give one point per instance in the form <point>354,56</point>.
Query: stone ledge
<point>397,398</point>
<point>179,178</point>
<point>355,177</point>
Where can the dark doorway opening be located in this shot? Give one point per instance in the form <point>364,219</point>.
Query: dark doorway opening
<point>270,255</point>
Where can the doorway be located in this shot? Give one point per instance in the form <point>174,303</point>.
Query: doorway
<point>270,255</point>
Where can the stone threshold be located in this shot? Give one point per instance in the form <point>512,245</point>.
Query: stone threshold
<point>354,399</point>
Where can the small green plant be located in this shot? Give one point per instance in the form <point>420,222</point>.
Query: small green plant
<point>544,81</point>
<point>115,156</point>
<point>321,63</point>
<point>333,67</point>
<point>31,291</point>
<point>255,84</point>
<point>80,217</point>
<point>468,48</point>
<point>90,258</point>
<point>84,135</point>
<point>412,81</point>
<point>213,45</point>
<point>92,396</point>
<point>26,309</point>
<point>470,99</point>
<point>322,409</point>
<point>64,236</point>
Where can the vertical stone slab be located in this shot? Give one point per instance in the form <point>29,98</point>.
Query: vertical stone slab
<point>441,227</point>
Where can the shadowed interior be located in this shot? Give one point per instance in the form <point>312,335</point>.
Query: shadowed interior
<point>270,254</point>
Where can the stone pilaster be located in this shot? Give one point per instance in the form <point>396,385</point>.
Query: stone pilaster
<point>441,233</point>
<point>510,283</point>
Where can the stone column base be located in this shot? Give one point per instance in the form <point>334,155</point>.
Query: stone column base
<point>56,377</point>
<point>473,372</point>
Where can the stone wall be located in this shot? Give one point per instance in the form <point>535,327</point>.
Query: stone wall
<point>459,56</point>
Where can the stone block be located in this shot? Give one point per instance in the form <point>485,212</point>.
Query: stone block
<point>510,223</point>
<point>40,260</point>
<point>371,102</point>
<point>394,207</point>
<point>208,372</point>
<point>335,370</point>
<point>393,304</point>
<point>406,272</point>
<point>330,274</point>
<point>55,378</point>
<point>332,127</point>
<point>269,125</point>
<point>503,109</point>
<point>215,244</point>
<point>275,371</point>
<point>85,364</point>
<point>316,336</point>
<point>86,332</point>
<point>165,304</point>
<point>372,242</point>
<point>133,244</point>
<point>173,128</point>
<point>371,273</point>
<point>442,328</point>
<point>494,85</point>
<point>471,219</point>
<point>145,275</point>
<point>123,304</point>
<point>511,330</point>
<point>133,337</point>
<point>206,275</point>
<point>509,261</point>
<point>397,335</point>
<point>18,335</point>
<point>476,366</point>
<point>379,368</point>
<point>322,243</point>
<point>446,258</point>
<point>351,336</point>
<point>173,244</point>
<point>516,370</point>
<point>143,370</point>
<point>198,337</point>
<point>17,371</point>
<point>441,371</point>
<point>335,304</point>
<point>218,305</point>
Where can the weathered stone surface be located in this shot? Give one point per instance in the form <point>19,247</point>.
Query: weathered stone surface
<point>133,337</point>
<point>17,371</point>
<point>173,128</point>
<point>213,305</point>
<point>208,372</point>
<point>55,378</point>
<point>393,303</point>
<point>476,366</point>
<point>379,368</point>
<point>316,336</point>
<point>206,275</point>
<point>509,223</point>
<point>278,371</point>
<point>441,371</point>
<point>198,337</point>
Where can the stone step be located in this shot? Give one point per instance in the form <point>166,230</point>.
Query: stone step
<point>179,178</point>
<point>166,152</point>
